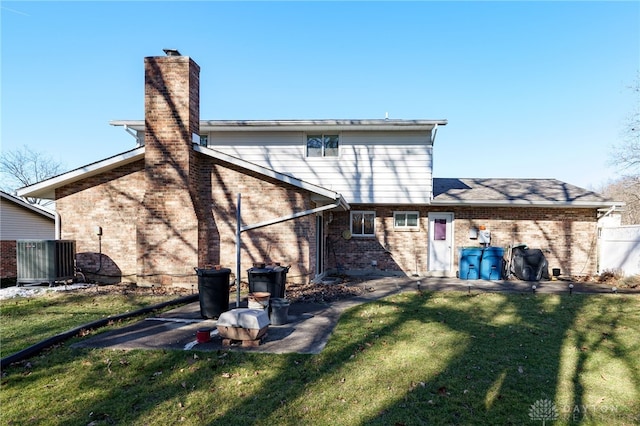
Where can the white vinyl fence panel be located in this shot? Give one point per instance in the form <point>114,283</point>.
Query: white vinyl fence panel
<point>620,249</point>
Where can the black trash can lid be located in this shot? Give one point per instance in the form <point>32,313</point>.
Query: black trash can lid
<point>256,271</point>
<point>268,269</point>
<point>212,271</point>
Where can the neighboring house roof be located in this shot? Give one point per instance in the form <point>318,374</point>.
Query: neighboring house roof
<point>515,192</point>
<point>301,125</point>
<point>46,189</point>
<point>21,220</point>
<point>26,205</point>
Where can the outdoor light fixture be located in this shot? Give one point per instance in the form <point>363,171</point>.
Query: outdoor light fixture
<point>533,288</point>
<point>614,289</point>
<point>570,288</point>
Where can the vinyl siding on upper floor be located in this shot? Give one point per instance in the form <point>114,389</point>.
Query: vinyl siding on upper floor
<point>372,167</point>
<point>17,223</point>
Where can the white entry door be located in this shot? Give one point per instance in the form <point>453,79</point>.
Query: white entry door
<point>441,244</point>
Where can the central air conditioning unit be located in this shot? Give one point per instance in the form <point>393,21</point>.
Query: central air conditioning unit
<point>45,261</point>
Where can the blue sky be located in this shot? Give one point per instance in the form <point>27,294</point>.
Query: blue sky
<point>530,89</point>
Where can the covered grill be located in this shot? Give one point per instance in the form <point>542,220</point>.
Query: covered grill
<point>245,325</point>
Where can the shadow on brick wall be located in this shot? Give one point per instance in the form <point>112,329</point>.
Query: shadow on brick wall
<point>99,268</point>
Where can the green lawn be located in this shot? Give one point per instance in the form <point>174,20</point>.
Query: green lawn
<point>28,320</point>
<point>410,359</point>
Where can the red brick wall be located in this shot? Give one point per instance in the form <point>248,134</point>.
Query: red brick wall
<point>168,231</point>
<point>567,236</point>
<point>112,201</point>
<point>8,267</point>
<point>176,210</point>
<point>392,250</point>
<point>289,243</point>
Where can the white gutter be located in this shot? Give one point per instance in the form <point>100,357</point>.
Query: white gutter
<point>46,188</point>
<point>519,203</point>
<point>433,134</point>
<point>302,125</point>
<point>315,127</point>
<point>608,212</point>
<point>135,135</point>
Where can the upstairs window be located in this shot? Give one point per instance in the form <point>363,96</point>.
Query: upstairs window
<point>406,220</point>
<point>322,145</point>
<point>363,223</point>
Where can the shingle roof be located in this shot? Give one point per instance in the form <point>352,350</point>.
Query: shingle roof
<point>529,192</point>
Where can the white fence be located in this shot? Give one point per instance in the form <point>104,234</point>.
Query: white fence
<point>620,249</point>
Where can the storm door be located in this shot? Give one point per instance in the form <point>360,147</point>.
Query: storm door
<point>440,244</point>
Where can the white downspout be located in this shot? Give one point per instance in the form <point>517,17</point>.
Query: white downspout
<point>58,233</point>
<point>135,135</point>
<point>608,212</point>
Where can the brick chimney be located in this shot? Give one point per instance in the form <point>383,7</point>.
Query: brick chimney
<point>168,236</point>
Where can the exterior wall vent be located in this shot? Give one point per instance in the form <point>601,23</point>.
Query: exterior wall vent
<point>45,261</point>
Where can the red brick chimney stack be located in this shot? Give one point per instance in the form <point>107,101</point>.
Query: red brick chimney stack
<point>167,228</point>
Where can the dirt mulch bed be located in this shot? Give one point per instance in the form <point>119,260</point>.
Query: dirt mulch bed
<point>320,293</point>
<point>295,293</point>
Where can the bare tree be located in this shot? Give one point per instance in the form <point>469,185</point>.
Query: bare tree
<point>626,155</point>
<point>626,189</point>
<point>24,167</point>
<point>626,158</point>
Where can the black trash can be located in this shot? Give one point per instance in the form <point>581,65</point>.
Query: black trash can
<point>269,279</point>
<point>213,288</point>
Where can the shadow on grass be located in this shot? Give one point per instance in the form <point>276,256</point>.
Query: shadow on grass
<point>430,358</point>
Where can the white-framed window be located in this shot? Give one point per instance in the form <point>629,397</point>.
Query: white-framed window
<point>406,220</point>
<point>322,145</point>
<point>363,223</point>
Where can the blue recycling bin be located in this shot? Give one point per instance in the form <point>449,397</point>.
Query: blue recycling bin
<point>469,263</point>
<point>491,263</point>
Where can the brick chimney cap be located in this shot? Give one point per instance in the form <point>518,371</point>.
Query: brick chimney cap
<point>172,52</point>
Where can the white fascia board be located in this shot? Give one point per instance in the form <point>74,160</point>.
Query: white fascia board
<point>47,188</point>
<point>319,125</point>
<point>323,192</point>
<point>133,124</point>
<point>301,125</point>
<point>526,203</point>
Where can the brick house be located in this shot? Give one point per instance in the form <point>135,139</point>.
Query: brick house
<point>20,220</point>
<point>319,195</point>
